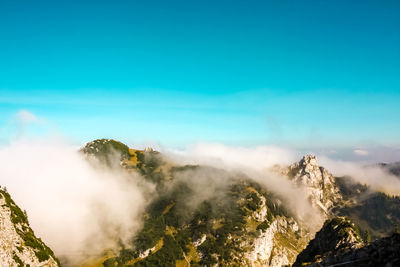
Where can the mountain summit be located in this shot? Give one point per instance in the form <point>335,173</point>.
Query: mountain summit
<point>319,183</point>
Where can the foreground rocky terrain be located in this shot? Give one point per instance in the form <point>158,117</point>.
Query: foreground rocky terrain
<point>18,244</point>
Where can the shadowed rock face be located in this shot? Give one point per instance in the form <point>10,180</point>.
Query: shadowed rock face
<point>336,234</point>
<point>383,252</point>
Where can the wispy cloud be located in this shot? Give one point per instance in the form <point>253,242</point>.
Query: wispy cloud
<point>361,152</point>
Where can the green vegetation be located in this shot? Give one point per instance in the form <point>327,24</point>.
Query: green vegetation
<point>377,213</point>
<point>253,201</point>
<point>166,256</point>
<point>263,226</point>
<point>18,260</point>
<point>105,150</point>
<point>17,215</point>
<point>173,218</point>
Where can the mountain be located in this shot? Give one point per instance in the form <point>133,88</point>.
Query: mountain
<point>338,243</point>
<point>18,244</point>
<point>393,168</point>
<point>320,185</point>
<point>206,216</point>
<point>337,234</point>
<point>195,220</point>
<point>376,213</point>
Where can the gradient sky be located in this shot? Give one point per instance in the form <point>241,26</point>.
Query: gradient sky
<point>304,73</point>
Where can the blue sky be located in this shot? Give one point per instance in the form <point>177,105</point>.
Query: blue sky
<point>303,73</point>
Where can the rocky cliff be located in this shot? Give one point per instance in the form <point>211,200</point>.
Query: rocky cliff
<point>18,244</point>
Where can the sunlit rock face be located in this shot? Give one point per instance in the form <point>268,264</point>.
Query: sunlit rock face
<point>318,182</point>
<point>276,245</point>
<point>18,244</point>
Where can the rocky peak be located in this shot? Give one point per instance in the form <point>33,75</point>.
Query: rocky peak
<point>308,172</point>
<point>318,182</point>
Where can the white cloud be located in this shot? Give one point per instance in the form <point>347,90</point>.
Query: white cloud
<point>73,206</point>
<point>361,152</point>
<point>223,156</point>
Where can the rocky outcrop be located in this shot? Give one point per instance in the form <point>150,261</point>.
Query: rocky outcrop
<point>278,245</point>
<point>278,242</point>
<point>318,182</point>
<point>18,244</point>
<point>383,252</point>
<point>337,234</point>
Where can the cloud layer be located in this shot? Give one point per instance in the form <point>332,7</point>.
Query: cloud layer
<point>77,209</point>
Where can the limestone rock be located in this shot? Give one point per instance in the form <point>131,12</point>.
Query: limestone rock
<point>319,183</point>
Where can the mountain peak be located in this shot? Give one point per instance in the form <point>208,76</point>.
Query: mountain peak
<point>309,160</point>
<point>319,183</point>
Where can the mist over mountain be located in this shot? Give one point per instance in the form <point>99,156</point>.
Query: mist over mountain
<point>113,205</point>
<point>199,133</point>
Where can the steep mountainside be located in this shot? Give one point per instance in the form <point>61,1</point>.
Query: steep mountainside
<point>377,214</point>
<point>239,223</point>
<point>336,234</point>
<point>18,244</point>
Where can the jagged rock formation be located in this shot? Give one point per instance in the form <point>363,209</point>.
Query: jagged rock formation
<point>338,244</point>
<point>318,182</point>
<point>336,234</point>
<point>18,244</point>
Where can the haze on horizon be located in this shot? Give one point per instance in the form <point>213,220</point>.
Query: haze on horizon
<point>311,76</point>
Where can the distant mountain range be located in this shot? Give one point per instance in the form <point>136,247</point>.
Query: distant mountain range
<point>393,168</point>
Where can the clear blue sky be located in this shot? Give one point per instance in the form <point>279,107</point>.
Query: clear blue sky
<point>308,73</point>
